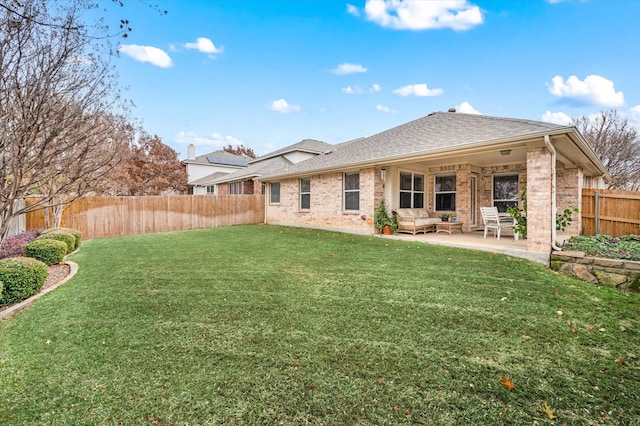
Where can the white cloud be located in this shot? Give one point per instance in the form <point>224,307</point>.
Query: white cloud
<point>556,118</point>
<point>634,116</point>
<point>594,90</point>
<point>383,108</point>
<point>280,105</point>
<point>418,90</point>
<point>466,108</point>
<point>153,55</point>
<point>357,90</point>
<point>458,15</point>
<point>213,140</point>
<point>343,69</point>
<point>352,10</point>
<point>204,45</point>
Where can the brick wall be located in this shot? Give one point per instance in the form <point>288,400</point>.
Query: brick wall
<point>326,206</point>
<point>539,200</point>
<point>569,193</point>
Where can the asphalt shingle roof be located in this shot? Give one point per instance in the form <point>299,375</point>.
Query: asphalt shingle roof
<point>220,157</point>
<point>305,145</point>
<point>269,166</point>
<point>434,132</point>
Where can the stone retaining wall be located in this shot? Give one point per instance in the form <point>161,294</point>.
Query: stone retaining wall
<point>621,274</point>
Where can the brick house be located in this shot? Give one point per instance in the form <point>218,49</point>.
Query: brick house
<point>247,180</point>
<point>444,162</point>
<point>203,170</point>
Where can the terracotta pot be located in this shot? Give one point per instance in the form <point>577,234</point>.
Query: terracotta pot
<point>387,230</point>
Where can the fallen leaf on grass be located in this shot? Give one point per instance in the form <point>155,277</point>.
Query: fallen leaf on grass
<point>507,382</point>
<point>620,361</point>
<point>551,413</point>
<point>559,313</point>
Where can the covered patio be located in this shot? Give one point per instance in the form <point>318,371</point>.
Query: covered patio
<point>474,240</point>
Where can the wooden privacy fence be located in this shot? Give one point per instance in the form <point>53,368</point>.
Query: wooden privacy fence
<point>101,217</point>
<point>610,212</point>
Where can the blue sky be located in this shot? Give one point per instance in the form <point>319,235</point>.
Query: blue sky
<point>271,73</point>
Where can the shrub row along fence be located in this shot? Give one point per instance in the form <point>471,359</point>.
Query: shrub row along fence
<point>102,217</point>
<point>610,212</point>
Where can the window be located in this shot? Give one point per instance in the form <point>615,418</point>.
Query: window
<point>445,191</point>
<point>235,188</point>
<point>211,190</point>
<point>305,194</point>
<point>275,192</point>
<point>411,190</point>
<point>352,191</point>
<point>505,192</point>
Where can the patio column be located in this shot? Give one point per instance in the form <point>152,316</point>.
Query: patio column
<point>539,182</point>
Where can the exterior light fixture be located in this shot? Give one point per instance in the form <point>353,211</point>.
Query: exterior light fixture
<point>383,174</point>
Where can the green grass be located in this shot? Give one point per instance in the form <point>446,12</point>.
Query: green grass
<point>270,325</point>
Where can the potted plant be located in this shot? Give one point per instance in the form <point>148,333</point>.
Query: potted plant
<point>445,217</point>
<point>382,221</point>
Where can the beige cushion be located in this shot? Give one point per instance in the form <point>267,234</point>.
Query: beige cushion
<point>422,213</point>
<point>406,212</point>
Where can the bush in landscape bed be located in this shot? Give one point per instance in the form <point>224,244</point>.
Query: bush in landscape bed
<point>14,245</point>
<point>63,236</point>
<point>46,250</point>
<point>76,234</point>
<point>22,277</point>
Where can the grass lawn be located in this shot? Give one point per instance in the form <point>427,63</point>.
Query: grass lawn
<point>271,325</point>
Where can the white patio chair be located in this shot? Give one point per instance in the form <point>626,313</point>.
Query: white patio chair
<point>493,220</point>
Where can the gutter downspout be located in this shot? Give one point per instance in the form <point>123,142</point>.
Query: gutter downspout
<point>554,208</point>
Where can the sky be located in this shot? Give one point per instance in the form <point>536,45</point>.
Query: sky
<point>267,74</point>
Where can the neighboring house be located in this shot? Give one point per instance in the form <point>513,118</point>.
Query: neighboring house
<point>204,169</point>
<point>444,162</point>
<point>247,181</point>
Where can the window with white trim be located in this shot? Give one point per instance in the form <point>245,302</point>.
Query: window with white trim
<point>411,190</point>
<point>211,190</point>
<point>445,193</point>
<point>505,191</point>
<point>305,193</point>
<point>274,192</point>
<point>352,191</point>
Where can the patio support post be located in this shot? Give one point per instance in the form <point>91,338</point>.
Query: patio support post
<point>539,200</point>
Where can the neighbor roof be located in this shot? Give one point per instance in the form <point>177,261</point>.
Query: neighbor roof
<point>208,180</point>
<point>306,145</point>
<point>436,132</point>
<point>220,157</point>
<point>269,166</point>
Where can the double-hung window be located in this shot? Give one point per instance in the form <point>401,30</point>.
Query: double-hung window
<point>305,193</point>
<point>352,191</point>
<point>235,188</point>
<point>211,190</point>
<point>411,190</point>
<point>274,193</point>
<point>505,191</point>
<point>445,191</point>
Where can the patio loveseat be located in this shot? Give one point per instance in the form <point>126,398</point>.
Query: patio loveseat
<point>415,220</point>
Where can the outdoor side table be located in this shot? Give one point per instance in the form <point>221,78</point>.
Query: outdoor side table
<point>449,227</point>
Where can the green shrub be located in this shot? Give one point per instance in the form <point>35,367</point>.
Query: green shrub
<point>76,234</point>
<point>22,278</point>
<point>46,250</point>
<point>63,236</point>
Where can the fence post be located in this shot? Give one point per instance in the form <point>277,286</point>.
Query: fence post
<point>596,213</point>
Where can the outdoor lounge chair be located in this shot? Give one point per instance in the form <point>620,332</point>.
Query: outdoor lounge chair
<point>493,220</point>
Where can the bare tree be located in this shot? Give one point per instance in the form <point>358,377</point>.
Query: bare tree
<point>617,144</point>
<point>240,150</point>
<point>59,103</point>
